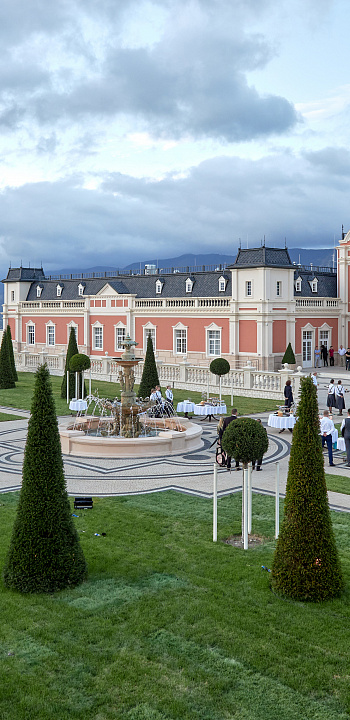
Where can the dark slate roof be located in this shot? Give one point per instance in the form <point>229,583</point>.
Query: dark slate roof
<point>263,257</point>
<point>326,285</point>
<point>206,284</point>
<point>24,274</point>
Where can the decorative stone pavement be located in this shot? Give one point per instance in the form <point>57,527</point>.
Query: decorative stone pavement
<point>191,473</point>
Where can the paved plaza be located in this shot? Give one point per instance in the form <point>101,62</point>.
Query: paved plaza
<point>190,473</point>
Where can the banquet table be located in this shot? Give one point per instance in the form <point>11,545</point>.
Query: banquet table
<point>210,410</point>
<point>341,444</point>
<point>78,405</point>
<point>186,406</point>
<point>283,422</point>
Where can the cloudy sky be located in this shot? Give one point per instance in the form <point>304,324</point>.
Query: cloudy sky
<point>133,130</point>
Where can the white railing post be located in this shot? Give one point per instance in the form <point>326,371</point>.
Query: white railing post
<point>245,508</point>
<point>277,501</point>
<point>249,498</point>
<point>215,503</point>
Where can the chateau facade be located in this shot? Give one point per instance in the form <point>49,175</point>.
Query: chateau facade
<point>250,310</point>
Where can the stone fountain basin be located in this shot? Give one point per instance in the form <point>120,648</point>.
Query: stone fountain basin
<point>167,442</point>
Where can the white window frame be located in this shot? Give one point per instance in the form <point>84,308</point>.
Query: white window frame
<point>12,296</point>
<point>30,332</point>
<point>119,327</point>
<point>208,340</point>
<point>298,285</point>
<point>189,285</point>
<point>38,291</point>
<point>81,289</point>
<point>146,329</point>
<point>59,289</point>
<point>249,288</point>
<point>313,285</point>
<point>76,328</point>
<point>325,329</point>
<point>159,287</point>
<point>278,288</point>
<point>49,327</point>
<point>97,327</point>
<point>222,284</point>
<point>180,335</point>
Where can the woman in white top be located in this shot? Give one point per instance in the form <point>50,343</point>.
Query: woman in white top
<point>331,394</point>
<point>339,397</point>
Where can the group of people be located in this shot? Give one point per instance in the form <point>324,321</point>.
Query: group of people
<point>323,353</point>
<point>160,405</point>
<point>327,428</point>
<point>335,396</point>
<point>224,458</point>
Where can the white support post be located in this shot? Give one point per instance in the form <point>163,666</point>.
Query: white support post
<point>220,387</point>
<point>215,503</point>
<point>277,501</point>
<point>245,508</point>
<point>67,387</point>
<point>82,385</point>
<point>232,391</point>
<point>208,384</point>
<point>249,498</point>
<point>76,386</point>
<point>90,382</point>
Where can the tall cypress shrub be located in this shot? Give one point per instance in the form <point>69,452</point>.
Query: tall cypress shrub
<point>72,349</point>
<point>150,373</point>
<point>11,355</point>
<point>45,553</point>
<point>306,564</point>
<point>6,375</point>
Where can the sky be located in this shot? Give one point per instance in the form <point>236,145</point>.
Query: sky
<point>137,130</point>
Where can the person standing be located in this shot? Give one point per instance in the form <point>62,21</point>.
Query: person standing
<point>314,379</point>
<point>324,355</point>
<point>169,394</point>
<point>347,359</point>
<point>331,395</point>
<point>256,464</point>
<point>331,356</point>
<point>222,429</point>
<point>317,357</point>
<point>288,394</point>
<point>345,431</point>
<point>339,397</point>
<point>341,353</point>
<point>327,427</point>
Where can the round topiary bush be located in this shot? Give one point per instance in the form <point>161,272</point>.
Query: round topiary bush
<point>79,362</point>
<point>246,440</point>
<point>219,366</point>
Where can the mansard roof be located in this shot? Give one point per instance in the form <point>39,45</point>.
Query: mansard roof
<point>263,257</point>
<point>24,274</point>
<point>205,284</point>
<point>326,283</point>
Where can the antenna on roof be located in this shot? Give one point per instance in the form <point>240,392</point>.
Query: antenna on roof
<point>342,232</point>
<point>285,243</point>
<point>21,263</point>
<point>264,240</point>
<point>240,243</point>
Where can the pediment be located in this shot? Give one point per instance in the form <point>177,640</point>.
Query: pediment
<point>107,290</point>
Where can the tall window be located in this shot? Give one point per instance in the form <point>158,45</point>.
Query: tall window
<point>12,295</point>
<point>30,334</point>
<point>180,342</point>
<point>120,333</point>
<point>248,288</point>
<point>152,333</point>
<point>50,334</point>
<point>98,338</point>
<point>324,337</point>
<point>278,288</point>
<point>214,342</point>
<point>298,285</point>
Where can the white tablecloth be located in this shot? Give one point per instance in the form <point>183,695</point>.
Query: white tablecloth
<point>185,406</point>
<point>210,410</point>
<point>341,444</point>
<point>281,422</point>
<point>78,405</point>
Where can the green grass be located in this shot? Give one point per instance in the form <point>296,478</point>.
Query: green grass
<point>338,483</point>
<point>6,417</point>
<point>170,626</point>
<point>21,396</point>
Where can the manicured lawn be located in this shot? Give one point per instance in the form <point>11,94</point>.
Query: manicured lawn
<point>338,483</point>
<point>6,417</point>
<point>21,396</point>
<point>170,626</point>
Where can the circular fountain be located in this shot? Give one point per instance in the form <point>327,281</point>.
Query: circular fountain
<point>129,427</point>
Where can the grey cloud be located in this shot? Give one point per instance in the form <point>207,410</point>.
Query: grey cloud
<point>335,161</point>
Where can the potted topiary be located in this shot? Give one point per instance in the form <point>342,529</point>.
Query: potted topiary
<point>219,367</point>
<point>289,357</point>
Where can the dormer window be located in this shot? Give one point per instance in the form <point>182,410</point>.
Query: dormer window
<point>39,290</point>
<point>189,285</point>
<point>81,289</point>
<point>159,287</point>
<point>222,284</point>
<point>313,285</point>
<point>298,285</point>
<point>59,289</point>
<point>278,288</point>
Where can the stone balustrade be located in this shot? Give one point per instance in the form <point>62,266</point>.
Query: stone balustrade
<point>246,381</point>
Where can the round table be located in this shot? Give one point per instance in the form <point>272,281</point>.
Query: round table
<point>78,405</point>
<point>210,410</point>
<point>341,444</point>
<point>281,422</point>
<point>186,406</point>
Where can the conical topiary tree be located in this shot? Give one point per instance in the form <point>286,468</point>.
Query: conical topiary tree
<point>72,349</point>
<point>150,373</point>
<point>306,564</point>
<point>45,553</point>
<point>289,356</point>
<point>6,375</point>
<point>11,355</point>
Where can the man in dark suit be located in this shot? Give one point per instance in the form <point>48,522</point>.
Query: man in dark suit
<point>225,424</point>
<point>345,429</point>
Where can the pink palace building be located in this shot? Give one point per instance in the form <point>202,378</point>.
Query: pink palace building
<point>250,310</point>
